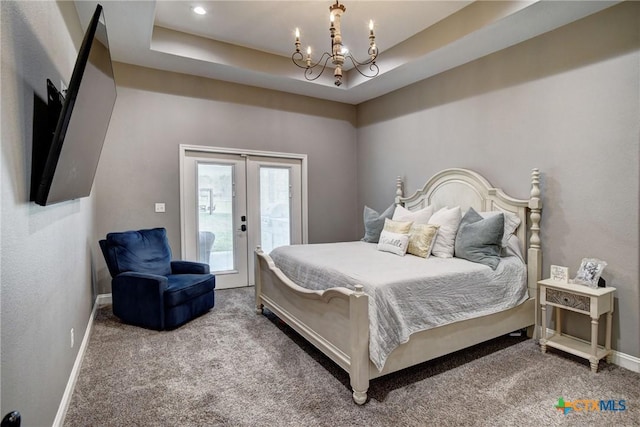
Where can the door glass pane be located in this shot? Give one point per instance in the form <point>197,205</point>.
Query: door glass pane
<point>275,212</point>
<point>215,216</point>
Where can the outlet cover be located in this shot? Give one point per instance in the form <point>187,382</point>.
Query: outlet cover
<point>160,207</point>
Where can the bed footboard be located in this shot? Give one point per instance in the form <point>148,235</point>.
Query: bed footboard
<point>336,321</point>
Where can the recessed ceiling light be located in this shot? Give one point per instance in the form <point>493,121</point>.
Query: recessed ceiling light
<point>199,10</point>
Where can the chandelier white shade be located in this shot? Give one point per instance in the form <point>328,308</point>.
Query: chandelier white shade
<point>338,55</point>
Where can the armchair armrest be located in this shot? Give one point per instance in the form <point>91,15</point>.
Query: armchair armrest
<point>138,298</point>
<point>189,267</point>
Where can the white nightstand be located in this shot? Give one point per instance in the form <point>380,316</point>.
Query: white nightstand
<point>582,299</point>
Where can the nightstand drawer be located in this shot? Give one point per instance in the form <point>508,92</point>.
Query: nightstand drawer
<point>567,299</point>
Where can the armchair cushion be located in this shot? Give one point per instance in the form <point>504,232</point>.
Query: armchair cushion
<point>183,287</point>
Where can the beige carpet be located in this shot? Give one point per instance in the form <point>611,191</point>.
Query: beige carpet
<point>232,367</point>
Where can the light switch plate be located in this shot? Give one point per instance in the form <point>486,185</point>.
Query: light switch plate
<point>160,207</point>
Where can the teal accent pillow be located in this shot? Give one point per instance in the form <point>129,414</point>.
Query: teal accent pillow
<point>479,239</point>
<point>374,223</point>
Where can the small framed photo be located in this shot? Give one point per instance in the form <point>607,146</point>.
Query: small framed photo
<point>559,274</point>
<point>590,271</point>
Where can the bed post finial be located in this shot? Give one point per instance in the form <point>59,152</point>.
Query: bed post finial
<point>398,189</point>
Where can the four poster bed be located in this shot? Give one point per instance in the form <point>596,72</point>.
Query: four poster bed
<point>341,318</point>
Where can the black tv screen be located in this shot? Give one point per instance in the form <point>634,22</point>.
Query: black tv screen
<point>65,170</point>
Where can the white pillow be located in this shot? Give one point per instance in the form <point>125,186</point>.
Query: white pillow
<point>448,220</point>
<point>417,217</point>
<point>395,243</point>
<point>511,224</point>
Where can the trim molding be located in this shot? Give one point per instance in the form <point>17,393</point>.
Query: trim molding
<point>101,300</point>
<point>75,371</point>
<point>627,361</point>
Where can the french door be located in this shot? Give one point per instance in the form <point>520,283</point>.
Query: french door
<point>233,202</point>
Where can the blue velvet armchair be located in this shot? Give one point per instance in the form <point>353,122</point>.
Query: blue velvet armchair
<point>150,290</point>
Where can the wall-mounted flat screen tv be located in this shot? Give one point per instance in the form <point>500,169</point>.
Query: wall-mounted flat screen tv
<point>64,167</point>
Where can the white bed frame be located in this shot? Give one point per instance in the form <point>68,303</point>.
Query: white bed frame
<point>336,320</point>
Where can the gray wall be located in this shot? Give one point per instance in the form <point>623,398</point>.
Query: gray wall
<point>46,269</point>
<point>156,111</point>
<point>567,102</point>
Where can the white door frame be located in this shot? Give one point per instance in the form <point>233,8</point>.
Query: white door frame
<point>184,148</point>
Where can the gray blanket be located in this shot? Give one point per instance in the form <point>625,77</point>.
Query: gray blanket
<point>406,294</point>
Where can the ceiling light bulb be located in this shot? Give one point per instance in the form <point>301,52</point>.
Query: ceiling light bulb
<point>199,10</point>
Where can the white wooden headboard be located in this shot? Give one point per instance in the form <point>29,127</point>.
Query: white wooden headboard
<point>466,188</point>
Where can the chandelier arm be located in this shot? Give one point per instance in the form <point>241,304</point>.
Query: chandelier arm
<point>326,57</point>
<point>371,60</point>
<point>373,67</point>
<point>297,56</point>
<point>309,70</point>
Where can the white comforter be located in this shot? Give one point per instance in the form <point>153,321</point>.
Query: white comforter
<point>407,294</point>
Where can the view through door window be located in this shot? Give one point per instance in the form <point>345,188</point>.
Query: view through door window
<point>215,216</point>
<point>275,209</point>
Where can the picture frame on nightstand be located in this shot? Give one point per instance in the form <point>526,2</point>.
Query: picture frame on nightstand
<point>559,274</point>
<point>589,272</point>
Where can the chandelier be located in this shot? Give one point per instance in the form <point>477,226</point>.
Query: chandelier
<point>338,52</point>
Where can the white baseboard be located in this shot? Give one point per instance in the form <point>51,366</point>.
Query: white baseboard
<point>103,299</point>
<point>626,361</point>
<point>623,360</point>
<point>75,371</point>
